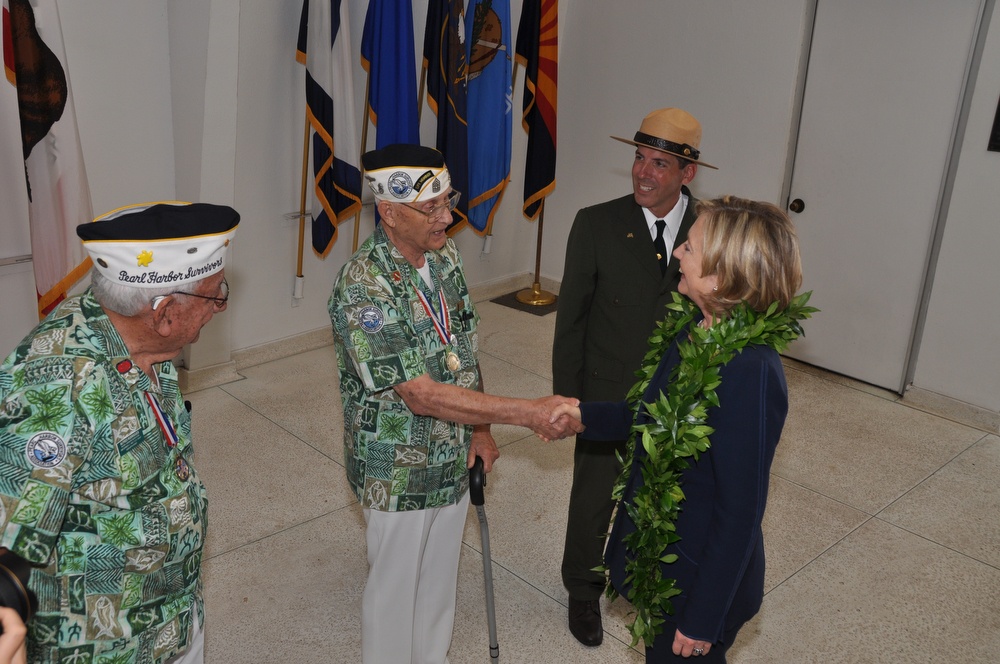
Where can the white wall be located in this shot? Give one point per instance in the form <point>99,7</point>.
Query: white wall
<point>730,64</point>
<point>958,352</point>
<point>119,68</point>
<point>182,97</point>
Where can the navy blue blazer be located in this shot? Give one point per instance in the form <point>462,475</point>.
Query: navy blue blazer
<point>720,564</point>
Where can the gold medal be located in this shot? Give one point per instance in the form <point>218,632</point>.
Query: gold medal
<point>452,361</point>
<point>182,469</point>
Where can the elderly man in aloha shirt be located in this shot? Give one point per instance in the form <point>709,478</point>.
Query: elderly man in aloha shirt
<point>430,471</point>
<point>405,332</point>
<point>97,484</point>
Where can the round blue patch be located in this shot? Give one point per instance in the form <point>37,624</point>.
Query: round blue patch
<point>400,184</point>
<point>371,319</point>
<point>45,450</point>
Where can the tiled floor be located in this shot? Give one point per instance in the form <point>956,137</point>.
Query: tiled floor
<point>883,527</point>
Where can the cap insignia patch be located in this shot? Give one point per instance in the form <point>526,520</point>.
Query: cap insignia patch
<point>400,184</point>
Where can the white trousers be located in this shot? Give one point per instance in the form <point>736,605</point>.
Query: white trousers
<point>195,654</point>
<point>408,607</point>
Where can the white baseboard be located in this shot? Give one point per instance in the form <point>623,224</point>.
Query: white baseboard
<point>953,409</point>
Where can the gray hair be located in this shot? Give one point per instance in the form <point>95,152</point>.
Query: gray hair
<point>123,299</point>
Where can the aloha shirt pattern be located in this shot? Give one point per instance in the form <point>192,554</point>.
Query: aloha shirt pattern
<point>397,460</point>
<point>92,494</point>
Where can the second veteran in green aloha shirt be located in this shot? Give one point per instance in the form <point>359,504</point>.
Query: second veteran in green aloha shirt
<point>397,460</point>
<point>114,513</point>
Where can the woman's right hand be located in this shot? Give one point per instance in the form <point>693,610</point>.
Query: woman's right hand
<point>570,409</point>
<point>555,422</point>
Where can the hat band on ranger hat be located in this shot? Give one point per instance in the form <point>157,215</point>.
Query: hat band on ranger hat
<point>670,130</point>
<point>663,144</point>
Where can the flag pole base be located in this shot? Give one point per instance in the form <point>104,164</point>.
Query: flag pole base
<point>535,296</point>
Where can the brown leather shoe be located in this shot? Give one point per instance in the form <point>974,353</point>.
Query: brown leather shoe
<point>585,621</point>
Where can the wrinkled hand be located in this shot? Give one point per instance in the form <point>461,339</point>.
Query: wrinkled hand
<point>482,445</point>
<point>686,647</point>
<point>548,424</point>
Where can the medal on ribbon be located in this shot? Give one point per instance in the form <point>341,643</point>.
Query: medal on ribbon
<point>169,433</point>
<point>442,325</point>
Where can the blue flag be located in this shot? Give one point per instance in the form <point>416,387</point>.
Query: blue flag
<point>324,46</point>
<point>489,106</point>
<point>445,62</point>
<point>387,55</point>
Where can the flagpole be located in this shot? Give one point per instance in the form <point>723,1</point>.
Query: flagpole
<point>535,295</point>
<point>299,278</point>
<point>420,93</point>
<point>364,148</point>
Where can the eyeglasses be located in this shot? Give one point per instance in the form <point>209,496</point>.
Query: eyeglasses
<point>218,301</point>
<point>450,204</point>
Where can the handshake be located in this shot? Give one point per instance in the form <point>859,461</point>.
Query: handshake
<point>555,417</point>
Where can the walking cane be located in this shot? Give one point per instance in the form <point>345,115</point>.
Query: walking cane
<point>477,481</point>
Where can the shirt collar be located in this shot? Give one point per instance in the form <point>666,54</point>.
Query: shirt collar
<point>673,217</point>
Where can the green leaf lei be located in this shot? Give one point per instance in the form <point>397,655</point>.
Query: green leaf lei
<point>678,430</point>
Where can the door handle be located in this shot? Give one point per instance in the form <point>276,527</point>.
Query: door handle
<point>797,205</point>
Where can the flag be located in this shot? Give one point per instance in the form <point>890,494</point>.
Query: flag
<point>58,194</point>
<point>324,47</point>
<point>538,52</point>
<point>387,55</point>
<point>489,107</point>
<point>444,60</point>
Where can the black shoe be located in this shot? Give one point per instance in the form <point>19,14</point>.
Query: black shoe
<point>585,621</point>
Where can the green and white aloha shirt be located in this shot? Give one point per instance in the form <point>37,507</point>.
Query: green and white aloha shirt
<point>397,460</point>
<point>99,493</point>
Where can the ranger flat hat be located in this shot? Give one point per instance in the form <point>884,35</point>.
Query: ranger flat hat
<point>152,245</point>
<point>670,130</point>
<point>403,173</point>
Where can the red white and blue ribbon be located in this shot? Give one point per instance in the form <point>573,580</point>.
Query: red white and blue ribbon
<point>169,433</point>
<point>442,321</point>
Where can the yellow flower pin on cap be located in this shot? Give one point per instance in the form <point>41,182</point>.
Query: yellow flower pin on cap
<point>152,245</point>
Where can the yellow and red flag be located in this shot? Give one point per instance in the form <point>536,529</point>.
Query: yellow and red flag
<point>58,195</point>
<point>537,51</point>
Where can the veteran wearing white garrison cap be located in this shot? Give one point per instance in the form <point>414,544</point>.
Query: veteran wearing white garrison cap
<point>103,511</point>
<point>415,414</point>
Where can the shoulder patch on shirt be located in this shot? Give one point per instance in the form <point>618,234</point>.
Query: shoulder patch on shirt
<point>45,450</point>
<point>371,319</point>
